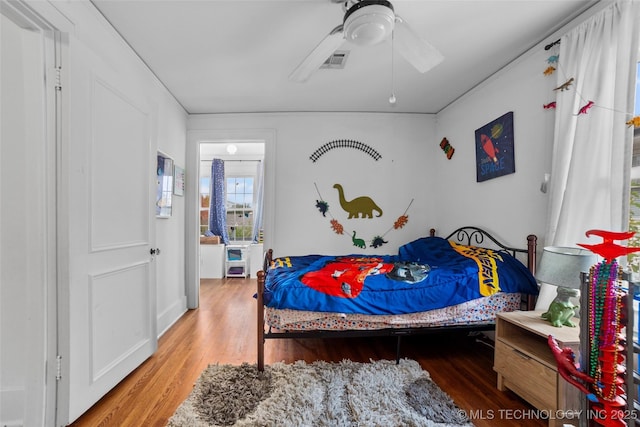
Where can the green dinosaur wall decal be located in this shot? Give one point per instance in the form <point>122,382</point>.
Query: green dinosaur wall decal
<point>360,207</point>
<point>357,241</point>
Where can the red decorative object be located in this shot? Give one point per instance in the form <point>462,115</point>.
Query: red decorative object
<point>447,148</point>
<point>585,108</point>
<point>488,147</point>
<point>568,368</point>
<point>602,378</point>
<point>549,105</point>
<point>607,249</point>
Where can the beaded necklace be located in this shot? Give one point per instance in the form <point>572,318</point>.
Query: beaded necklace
<point>604,325</point>
<point>595,318</point>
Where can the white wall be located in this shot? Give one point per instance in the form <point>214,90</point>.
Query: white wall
<point>170,233</point>
<point>511,206</point>
<point>403,174</point>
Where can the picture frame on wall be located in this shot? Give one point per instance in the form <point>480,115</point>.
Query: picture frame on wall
<point>494,148</point>
<point>164,176</point>
<point>178,181</point>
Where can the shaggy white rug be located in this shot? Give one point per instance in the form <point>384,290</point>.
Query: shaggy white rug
<point>379,393</point>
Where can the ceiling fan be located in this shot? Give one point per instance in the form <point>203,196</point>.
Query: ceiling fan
<point>368,22</point>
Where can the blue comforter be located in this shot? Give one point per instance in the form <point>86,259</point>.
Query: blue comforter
<point>427,274</point>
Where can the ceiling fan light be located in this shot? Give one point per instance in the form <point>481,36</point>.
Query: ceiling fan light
<point>369,24</point>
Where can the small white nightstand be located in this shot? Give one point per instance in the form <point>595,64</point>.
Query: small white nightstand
<point>526,366</point>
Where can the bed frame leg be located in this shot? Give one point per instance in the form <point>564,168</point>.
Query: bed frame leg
<point>532,247</point>
<point>260,312</point>
<point>398,350</point>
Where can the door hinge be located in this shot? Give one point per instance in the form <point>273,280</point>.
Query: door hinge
<point>58,368</point>
<point>58,85</point>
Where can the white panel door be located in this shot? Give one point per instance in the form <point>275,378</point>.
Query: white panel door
<point>112,316</point>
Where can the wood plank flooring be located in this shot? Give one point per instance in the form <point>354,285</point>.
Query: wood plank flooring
<point>222,331</point>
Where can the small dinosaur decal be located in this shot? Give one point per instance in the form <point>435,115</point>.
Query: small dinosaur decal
<point>358,242</point>
<point>378,241</point>
<point>585,108</point>
<point>322,206</point>
<point>635,122</point>
<point>565,86</point>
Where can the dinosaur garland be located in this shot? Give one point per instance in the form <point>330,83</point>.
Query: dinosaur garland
<point>588,104</point>
<point>377,241</point>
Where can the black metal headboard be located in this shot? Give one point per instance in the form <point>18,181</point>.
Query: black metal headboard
<point>474,236</point>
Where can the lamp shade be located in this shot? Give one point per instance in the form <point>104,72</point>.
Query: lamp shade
<point>561,266</point>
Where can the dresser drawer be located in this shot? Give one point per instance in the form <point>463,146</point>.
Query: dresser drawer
<point>533,381</point>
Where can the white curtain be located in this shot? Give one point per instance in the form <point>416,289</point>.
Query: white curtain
<point>589,186</point>
<point>258,203</point>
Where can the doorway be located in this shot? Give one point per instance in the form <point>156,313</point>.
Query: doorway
<point>27,218</point>
<point>251,146</point>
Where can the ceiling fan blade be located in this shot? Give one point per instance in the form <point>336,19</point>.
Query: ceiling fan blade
<point>422,55</point>
<point>316,58</point>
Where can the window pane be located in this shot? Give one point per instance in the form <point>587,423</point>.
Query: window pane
<point>634,224</point>
<point>240,207</point>
<point>635,160</point>
<point>204,185</point>
<point>247,201</point>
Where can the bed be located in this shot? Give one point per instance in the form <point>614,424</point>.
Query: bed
<point>433,284</point>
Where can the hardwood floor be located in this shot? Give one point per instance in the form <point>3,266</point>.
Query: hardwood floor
<point>222,331</point>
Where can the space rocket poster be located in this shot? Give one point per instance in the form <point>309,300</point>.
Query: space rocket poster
<point>494,149</point>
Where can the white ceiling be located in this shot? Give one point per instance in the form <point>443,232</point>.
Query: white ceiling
<point>230,56</point>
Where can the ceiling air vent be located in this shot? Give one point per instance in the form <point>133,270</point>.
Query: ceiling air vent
<point>337,60</point>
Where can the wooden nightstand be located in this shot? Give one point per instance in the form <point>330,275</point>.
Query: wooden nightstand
<point>526,366</point>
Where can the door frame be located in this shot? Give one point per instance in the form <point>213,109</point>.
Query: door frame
<point>192,196</point>
<point>53,49</point>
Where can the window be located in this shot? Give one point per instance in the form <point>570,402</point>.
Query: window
<point>240,205</point>
<point>204,203</point>
<point>243,175</point>
<point>633,259</point>
<point>634,204</point>
<point>239,190</point>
